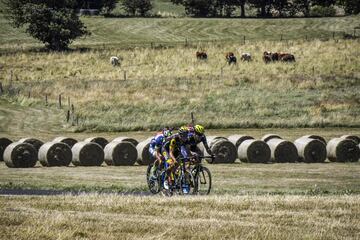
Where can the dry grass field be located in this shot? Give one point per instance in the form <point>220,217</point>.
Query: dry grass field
<point>214,217</point>
<point>163,86</point>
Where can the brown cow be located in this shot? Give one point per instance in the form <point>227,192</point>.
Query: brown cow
<point>286,57</point>
<point>272,57</point>
<point>230,58</point>
<point>201,55</point>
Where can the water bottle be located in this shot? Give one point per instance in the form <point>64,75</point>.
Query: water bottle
<point>185,188</point>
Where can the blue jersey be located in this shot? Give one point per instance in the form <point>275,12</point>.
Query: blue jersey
<point>156,143</point>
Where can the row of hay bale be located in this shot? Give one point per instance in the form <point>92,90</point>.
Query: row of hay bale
<point>63,150</point>
<point>126,151</point>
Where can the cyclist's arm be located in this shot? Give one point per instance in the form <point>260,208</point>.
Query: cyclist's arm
<point>204,141</point>
<point>172,149</point>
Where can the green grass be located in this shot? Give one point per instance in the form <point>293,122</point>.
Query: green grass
<point>122,32</point>
<point>164,85</point>
<point>234,179</point>
<point>216,217</point>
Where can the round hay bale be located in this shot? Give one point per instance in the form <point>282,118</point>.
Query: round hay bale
<point>342,150</point>
<point>126,139</point>
<point>120,154</point>
<point>87,154</point>
<point>310,150</point>
<point>238,139</point>
<point>20,155</point>
<point>320,138</point>
<point>254,151</point>
<point>144,157</point>
<point>282,151</point>
<point>355,138</point>
<point>4,142</point>
<point>223,149</point>
<point>33,141</point>
<point>69,141</point>
<point>99,140</point>
<point>54,154</point>
<point>268,137</point>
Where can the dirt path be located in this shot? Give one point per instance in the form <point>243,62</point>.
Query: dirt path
<point>40,192</point>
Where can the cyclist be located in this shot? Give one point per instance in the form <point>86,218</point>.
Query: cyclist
<point>197,135</point>
<point>172,148</point>
<point>155,149</point>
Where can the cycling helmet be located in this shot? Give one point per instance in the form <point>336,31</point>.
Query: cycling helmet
<point>183,130</point>
<point>166,132</point>
<point>199,129</point>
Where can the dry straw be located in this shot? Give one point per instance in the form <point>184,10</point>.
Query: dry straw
<point>20,155</point>
<point>144,157</point>
<point>67,140</point>
<point>310,150</point>
<point>4,142</point>
<point>342,150</point>
<point>223,149</point>
<point>126,139</point>
<point>99,140</point>
<point>355,138</point>
<point>282,151</point>
<point>254,151</point>
<point>238,139</point>
<point>54,154</point>
<point>87,154</point>
<point>120,154</point>
<point>267,137</point>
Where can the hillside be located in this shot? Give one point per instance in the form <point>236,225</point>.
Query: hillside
<point>121,32</point>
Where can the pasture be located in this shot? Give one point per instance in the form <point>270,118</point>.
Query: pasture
<point>214,217</point>
<point>157,87</point>
<point>161,85</point>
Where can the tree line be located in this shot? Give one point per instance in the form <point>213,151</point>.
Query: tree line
<point>267,8</point>
<point>56,23</point>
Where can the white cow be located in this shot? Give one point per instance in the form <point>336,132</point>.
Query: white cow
<point>246,57</point>
<point>115,61</point>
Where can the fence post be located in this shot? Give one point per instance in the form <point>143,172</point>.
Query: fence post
<point>305,37</point>
<point>46,99</point>
<point>354,32</point>
<point>186,42</point>
<point>313,70</point>
<point>68,116</point>
<point>29,94</point>
<point>59,100</point>
<point>125,77</point>
<point>1,88</point>
<point>334,35</point>
<point>281,37</point>
<point>69,102</point>
<point>244,39</point>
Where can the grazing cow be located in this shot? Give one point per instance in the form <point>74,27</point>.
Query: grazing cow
<point>246,57</point>
<point>115,61</point>
<point>230,58</point>
<point>286,57</point>
<point>201,55</point>
<point>267,57</point>
<point>283,57</point>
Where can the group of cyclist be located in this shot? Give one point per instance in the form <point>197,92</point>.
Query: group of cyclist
<point>167,146</point>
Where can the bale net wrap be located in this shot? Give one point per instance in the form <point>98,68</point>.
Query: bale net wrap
<point>54,154</point>
<point>282,151</point>
<point>20,155</point>
<point>4,142</point>
<point>120,154</point>
<point>87,154</point>
<point>310,150</point>
<point>254,151</point>
<point>99,140</point>
<point>342,150</point>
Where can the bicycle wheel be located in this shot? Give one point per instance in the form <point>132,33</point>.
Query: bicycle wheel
<point>186,183</point>
<point>203,182</point>
<point>153,184</point>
